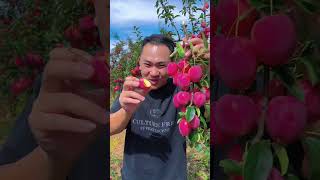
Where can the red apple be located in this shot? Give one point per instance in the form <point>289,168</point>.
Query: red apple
<point>144,84</point>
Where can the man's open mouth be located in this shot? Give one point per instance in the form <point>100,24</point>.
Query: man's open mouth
<point>154,81</point>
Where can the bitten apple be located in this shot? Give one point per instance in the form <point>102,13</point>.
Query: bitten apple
<point>144,84</point>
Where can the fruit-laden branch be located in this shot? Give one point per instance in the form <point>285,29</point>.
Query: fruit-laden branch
<point>170,19</point>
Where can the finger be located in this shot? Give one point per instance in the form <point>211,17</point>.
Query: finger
<point>68,70</point>
<point>129,84</point>
<point>131,78</point>
<point>80,55</point>
<point>130,101</point>
<point>74,104</point>
<point>195,41</point>
<point>97,96</point>
<point>60,122</point>
<point>70,54</point>
<point>57,73</point>
<point>135,95</point>
<point>197,47</point>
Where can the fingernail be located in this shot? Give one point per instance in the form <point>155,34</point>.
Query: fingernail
<point>86,70</point>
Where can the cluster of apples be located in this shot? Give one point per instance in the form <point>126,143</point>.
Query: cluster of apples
<point>236,59</point>
<point>185,76</point>
<point>84,34</point>
<point>31,60</point>
<point>243,46</point>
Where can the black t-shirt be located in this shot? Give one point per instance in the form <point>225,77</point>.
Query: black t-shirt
<point>154,148</point>
<point>93,163</point>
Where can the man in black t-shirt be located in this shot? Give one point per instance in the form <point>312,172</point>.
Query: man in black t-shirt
<point>154,148</point>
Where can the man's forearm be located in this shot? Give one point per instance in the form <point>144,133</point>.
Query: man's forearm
<point>118,121</point>
<point>35,166</point>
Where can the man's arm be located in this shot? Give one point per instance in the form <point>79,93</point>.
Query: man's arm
<point>119,121</point>
<point>125,105</point>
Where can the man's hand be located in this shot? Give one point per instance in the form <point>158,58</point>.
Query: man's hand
<point>197,45</point>
<point>129,97</point>
<point>65,118</point>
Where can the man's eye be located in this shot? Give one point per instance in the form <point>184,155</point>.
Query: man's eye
<point>147,65</point>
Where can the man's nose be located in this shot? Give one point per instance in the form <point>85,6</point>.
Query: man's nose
<point>154,72</point>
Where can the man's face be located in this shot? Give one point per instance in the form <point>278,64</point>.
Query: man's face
<point>101,19</point>
<point>153,64</point>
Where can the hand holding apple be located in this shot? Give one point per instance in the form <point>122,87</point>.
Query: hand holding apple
<point>133,93</point>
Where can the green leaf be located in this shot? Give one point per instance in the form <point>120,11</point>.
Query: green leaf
<point>282,155</point>
<point>207,111</point>
<point>312,70</point>
<point>171,7</point>
<point>231,167</point>
<point>204,40</point>
<point>313,149</point>
<point>194,137</point>
<point>198,111</point>
<point>292,177</point>
<point>287,77</point>
<point>310,6</point>
<point>203,122</point>
<point>258,162</point>
<point>180,50</point>
<point>190,113</point>
<point>191,46</point>
<point>258,4</point>
<point>308,48</point>
<point>181,114</point>
<point>199,148</point>
<point>179,120</point>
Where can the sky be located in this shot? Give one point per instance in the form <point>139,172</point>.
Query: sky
<point>124,14</point>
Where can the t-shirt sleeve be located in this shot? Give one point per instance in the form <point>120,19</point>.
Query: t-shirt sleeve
<point>20,141</point>
<point>116,106</point>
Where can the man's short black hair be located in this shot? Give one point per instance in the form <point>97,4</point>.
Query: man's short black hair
<point>159,39</point>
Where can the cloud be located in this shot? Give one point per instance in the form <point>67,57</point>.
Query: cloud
<point>125,14</point>
<point>124,11</point>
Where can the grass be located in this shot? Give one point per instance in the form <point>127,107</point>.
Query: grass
<point>116,155</point>
<point>198,164</point>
